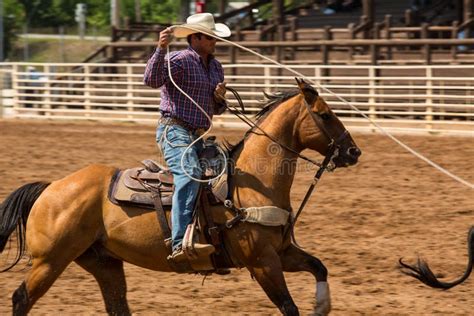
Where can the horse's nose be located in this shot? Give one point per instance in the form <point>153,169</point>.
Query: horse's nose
<point>354,152</point>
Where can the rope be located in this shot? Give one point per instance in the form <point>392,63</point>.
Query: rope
<point>396,140</point>
<point>200,137</point>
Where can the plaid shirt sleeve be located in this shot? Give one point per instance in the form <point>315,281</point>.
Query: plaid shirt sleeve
<point>156,71</point>
<point>190,75</point>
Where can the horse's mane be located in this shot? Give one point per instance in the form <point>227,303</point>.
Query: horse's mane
<point>272,101</point>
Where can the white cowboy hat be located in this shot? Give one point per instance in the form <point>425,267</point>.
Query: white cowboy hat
<point>201,22</point>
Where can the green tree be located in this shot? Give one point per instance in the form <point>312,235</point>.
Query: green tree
<point>165,11</point>
<point>98,13</point>
<point>41,13</point>
<point>13,16</point>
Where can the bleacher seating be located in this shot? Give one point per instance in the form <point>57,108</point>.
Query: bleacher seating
<point>308,23</point>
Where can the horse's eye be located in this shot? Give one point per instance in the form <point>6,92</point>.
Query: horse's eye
<point>325,116</point>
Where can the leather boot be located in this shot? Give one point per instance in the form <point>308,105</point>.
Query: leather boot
<point>204,249</point>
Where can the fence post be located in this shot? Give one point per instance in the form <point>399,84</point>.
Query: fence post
<point>317,74</point>
<point>351,31</point>
<point>130,101</point>
<point>372,90</point>
<point>364,21</point>
<point>47,91</point>
<point>325,50</point>
<point>454,35</point>
<point>426,47</point>
<point>388,34</point>
<point>408,17</point>
<point>16,98</point>
<point>87,87</point>
<point>259,33</point>
<point>429,98</point>
<point>374,49</point>
<point>281,37</point>
<point>267,71</point>
<point>376,32</point>
<point>368,10</point>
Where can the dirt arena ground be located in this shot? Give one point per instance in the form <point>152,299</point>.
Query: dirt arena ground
<point>358,222</point>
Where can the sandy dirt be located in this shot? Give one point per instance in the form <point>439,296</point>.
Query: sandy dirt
<point>358,222</point>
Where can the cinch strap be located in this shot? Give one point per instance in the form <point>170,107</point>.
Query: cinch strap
<point>266,215</point>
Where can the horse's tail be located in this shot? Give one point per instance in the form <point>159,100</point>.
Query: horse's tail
<point>423,273</point>
<point>14,212</point>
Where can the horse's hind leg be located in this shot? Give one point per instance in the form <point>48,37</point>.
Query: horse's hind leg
<point>267,270</point>
<point>110,275</point>
<point>295,259</point>
<point>41,277</point>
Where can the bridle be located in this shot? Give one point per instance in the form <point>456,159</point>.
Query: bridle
<point>327,164</point>
<point>334,142</point>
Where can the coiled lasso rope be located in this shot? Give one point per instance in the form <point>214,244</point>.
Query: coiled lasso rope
<point>396,140</point>
<point>203,134</point>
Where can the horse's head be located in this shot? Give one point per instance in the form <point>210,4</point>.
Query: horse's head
<point>319,128</point>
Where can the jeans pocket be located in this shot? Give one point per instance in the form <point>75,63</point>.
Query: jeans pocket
<point>176,136</point>
<point>160,132</point>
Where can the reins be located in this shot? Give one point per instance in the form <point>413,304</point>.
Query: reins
<point>329,156</point>
<point>250,123</point>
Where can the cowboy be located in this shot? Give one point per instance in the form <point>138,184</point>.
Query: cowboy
<point>197,72</point>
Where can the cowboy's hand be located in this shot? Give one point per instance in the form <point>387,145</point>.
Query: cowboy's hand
<point>219,92</point>
<point>165,38</point>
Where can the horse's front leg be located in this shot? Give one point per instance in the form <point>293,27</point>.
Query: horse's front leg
<point>294,259</point>
<point>267,270</point>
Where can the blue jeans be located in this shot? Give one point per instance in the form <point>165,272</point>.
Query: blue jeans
<point>173,141</point>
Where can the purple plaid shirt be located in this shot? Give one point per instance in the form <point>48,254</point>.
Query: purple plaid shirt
<point>191,75</point>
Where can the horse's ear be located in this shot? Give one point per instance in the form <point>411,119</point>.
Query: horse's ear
<point>310,94</point>
<point>300,83</point>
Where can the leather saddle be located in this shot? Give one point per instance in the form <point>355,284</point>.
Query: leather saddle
<point>140,185</point>
<point>151,187</point>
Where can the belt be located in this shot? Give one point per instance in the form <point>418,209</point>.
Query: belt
<point>169,120</point>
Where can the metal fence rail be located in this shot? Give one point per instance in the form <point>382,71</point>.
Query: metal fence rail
<point>435,99</point>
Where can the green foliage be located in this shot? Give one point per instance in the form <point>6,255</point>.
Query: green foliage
<point>12,18</point>
<point>98,13</point>
<point>40,13</point>
<point>166,11</point>
<point>55,13</point>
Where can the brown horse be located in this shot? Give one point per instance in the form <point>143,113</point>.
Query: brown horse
<point>423,272</point>
<point>72,219</point>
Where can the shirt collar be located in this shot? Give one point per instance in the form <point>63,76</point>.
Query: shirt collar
<point>197,56</point>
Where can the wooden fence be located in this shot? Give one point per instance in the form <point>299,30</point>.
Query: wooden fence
<point>435,99</point>
<point>342,51</point>
<point>374,43</point>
